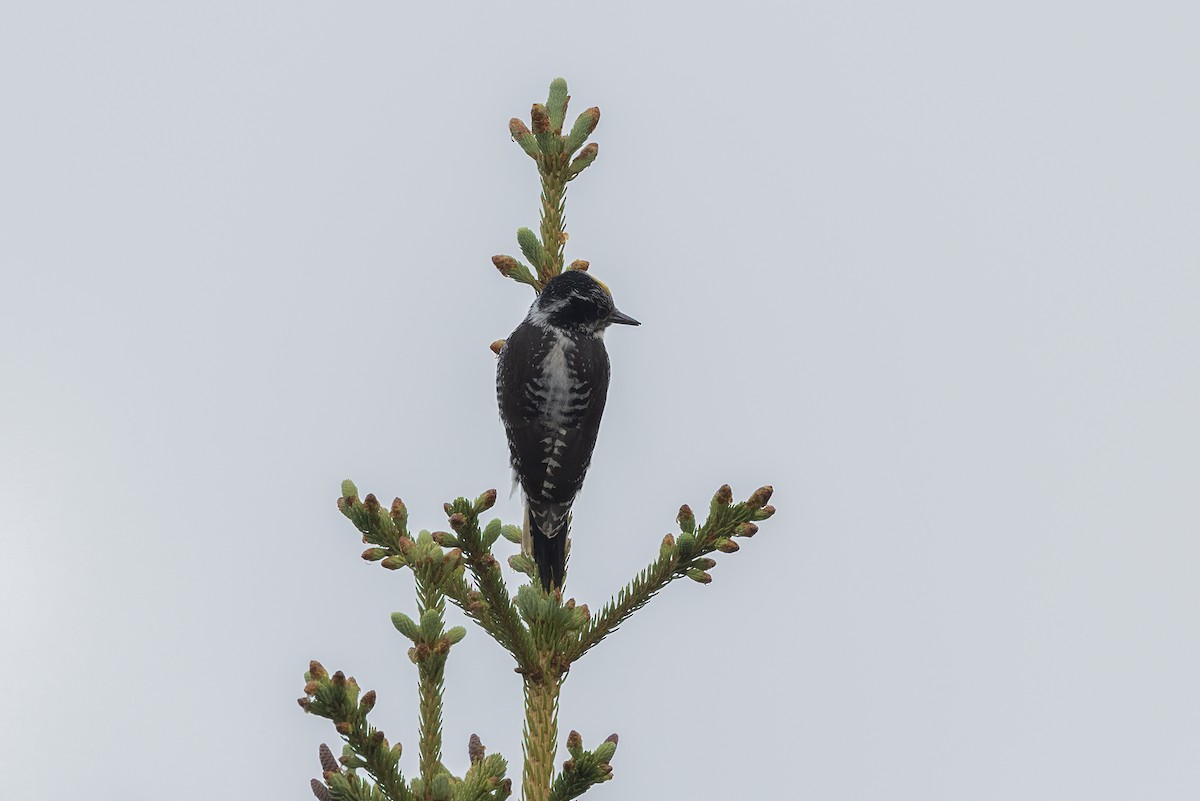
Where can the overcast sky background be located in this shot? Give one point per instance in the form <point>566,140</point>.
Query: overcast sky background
<point>931,269</point>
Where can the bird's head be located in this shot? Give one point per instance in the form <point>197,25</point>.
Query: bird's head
<point>574,300</point>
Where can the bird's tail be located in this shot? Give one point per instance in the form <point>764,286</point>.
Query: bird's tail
<point>549,552</point>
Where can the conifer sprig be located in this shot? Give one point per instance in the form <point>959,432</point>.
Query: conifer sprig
<point>584,768</point>
<point>686,555</point>
<point>336,697</point>
<point>552,151</point>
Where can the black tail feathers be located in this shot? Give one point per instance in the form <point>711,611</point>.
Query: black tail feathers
<point>549,554</point>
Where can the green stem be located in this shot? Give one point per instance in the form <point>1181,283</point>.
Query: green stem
<point>541,735</point>
<point>431,668</point>
<point>553,169</point>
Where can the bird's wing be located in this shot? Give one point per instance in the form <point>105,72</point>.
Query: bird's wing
<point>550,460</point>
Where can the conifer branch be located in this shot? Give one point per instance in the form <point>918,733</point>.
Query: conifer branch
<point>431,668</point>
<point>584,768</point>
<point>551,150</point>
<point>685,556</point>
<point>336,698</point>
<point>540,739</point>
<point>503,621</point>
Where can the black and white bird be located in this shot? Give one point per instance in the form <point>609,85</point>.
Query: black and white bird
<point>552,382</point>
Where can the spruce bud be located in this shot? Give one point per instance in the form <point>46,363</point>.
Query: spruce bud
<point>541,119</point>
<point>764,513</point>
<point>584,125</point>
<point>445,539</point>
<point>485,501</point>
<point>686,519</point>
<point>406,626</point>
<point>399,513</point>
<point>606,750</point>
<point>583,160</point>
<point>746,530</point>
<point>758,499</point>
<point>522,136</point>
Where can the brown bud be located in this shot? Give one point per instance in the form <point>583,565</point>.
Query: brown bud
<point>393,562</point>
<point>367,703</point>
<point>317,670</point>
<point>320,791</point>
<point>758,499</point>
<point>399,510</point>
<point>587,613</point>
<point>374,554</point>
<point>497,346</point>
<point>507,265</point>
<point>328,763</point>
<point>724,496</point>
<point>378,737</point>
<point>458,522</point>
<point>765,512</point>
<point>338,679</point>
<point>444,538</point>
<point>725,545</point>
<point>612,738</point>
<point>517,128</point>
<point>343,727</point>
<point>579,264</point>
<point>312,687</point>
<point>485,501</point>
<point>541,120</point>
<point>686,518</point>
<point>568,766</point>
<point>747,530</point>
<point>574,740</point>
<point>475,750</point>
<point>304,703</point>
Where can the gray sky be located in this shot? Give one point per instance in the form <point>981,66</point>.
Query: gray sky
<point>931,269</point>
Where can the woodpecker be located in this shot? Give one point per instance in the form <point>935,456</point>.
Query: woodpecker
<point>551,383</point>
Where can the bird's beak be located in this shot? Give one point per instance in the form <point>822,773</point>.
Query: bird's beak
<point>621,318</point>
